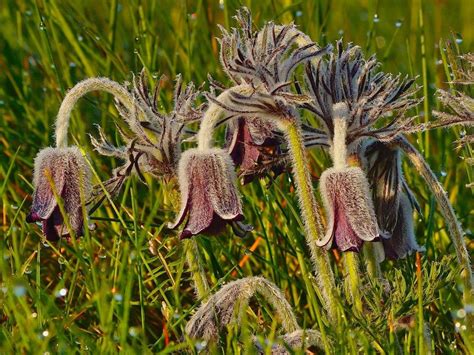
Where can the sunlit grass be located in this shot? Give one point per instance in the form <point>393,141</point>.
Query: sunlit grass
<point>125,286</point>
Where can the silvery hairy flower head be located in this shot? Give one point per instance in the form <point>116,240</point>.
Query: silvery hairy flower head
<point>153,139</point>
<point>351,217</point>
<point>265,60</point>
<point>393,199</point>
<point>65,170</point>
<point>377,101</point>
<point>209,196</point>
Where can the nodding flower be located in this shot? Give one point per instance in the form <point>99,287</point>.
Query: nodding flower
<point>393,199</point>
<point>209,196</point>
<point>66,171</point>
<point>351,217</point>
<point>255,148</point>
<point>346,195</point>
<point>402,241</point>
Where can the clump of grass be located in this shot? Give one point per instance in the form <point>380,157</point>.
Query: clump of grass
<point>126,285</point>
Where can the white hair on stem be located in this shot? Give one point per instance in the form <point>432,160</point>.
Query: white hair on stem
<point>214,113</point>
<point>79,90</point>
<point>338,148</point>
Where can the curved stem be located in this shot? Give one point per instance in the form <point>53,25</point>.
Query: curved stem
<point>78,91</point>
<point>214,113</point>
<point>447,211</point>
<point>311,216</point>
<point>193,258</point>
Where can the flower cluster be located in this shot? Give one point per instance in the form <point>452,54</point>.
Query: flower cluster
<point>362,116</point>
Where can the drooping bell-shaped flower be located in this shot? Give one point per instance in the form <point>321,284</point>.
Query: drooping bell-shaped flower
<point>393,200</point>
<point>255,148</point>
<point>402,241</point>
<point>209,196</point>
<point>351,217</point>
<point>65,170</point>
<point>346,195</point>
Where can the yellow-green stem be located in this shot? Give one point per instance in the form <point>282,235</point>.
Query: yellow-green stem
<point>351,266</point>
<point>193,259</point>
<point>373,265</point>
<point>311,216</point>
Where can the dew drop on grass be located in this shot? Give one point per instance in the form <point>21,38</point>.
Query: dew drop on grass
<point>2,102</point>
<point>299,13</point>
<point>45,333</point>
<point>34,315</point>
<point>19,290</point>
<point>28,12</point>
<point>80,38</point>
<point>461,313</point>
<point>459,39</point>
<point>97,38</point>
<point>27,271</point>
<point>376,18</point>
<point>443,173</point>
<point>72,65</point>
<point>42,26</point>
<point>200,345</point>
<point>398,23</point>
<point>133,331</point>
<point>61,293</point>
<point>118,297</point>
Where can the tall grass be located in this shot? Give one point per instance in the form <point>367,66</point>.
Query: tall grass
<point>125,286</point>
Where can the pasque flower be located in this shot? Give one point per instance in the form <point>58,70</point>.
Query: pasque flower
<point>402,241</point>
<point>393,199</point>
<point>65,170</point>
<point>209,196</point>
<point>351,217</point>
<point>346,195</point>
<point>255,147</point>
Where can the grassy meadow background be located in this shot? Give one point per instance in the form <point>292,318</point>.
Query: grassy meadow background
<point>125,286</point>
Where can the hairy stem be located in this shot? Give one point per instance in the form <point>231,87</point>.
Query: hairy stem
<point>214,113</point>
<point>311,216</point>
<point>351,265</point>
<point>78,91</point>
<point>372,262</point>
<point>452,222</point>
<point>193,258</point>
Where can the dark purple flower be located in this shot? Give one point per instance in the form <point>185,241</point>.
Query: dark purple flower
<point>255,148</point>
<point>67,170</point>
<point>351,217</point>
<point>209,196</point>
<point>402,241</point>
<point>393,200</point>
